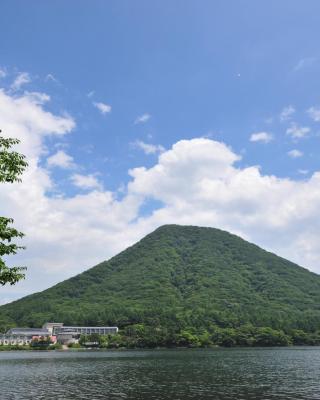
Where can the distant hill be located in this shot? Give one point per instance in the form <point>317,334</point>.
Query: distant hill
<point>182,280</point>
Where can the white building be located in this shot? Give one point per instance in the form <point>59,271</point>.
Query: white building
<point>71,334</point>
<point>22,336</point>
<point>55,330</point>
<point>14,340</point>
<point>52,326</point>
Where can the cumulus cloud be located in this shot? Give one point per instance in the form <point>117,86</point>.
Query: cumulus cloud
<point>149,148</point>
<point>102,107</point>
<point>263,137</point>
<point>61,159</point>
<point>287,113</point>
<point>314,113</point>
<point>22,79</point>
<point>86,181</point>
<point>198,182</point>
<point>142,119</point>
<point>25,118</point>
<point>298,132</point>
<point>295,153</point>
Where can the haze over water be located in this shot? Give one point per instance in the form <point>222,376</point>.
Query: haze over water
<point>219,374</point>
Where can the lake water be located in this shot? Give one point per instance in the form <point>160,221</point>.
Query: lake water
<point>221,374</point>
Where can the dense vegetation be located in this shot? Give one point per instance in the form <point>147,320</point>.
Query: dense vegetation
<point>139,336</point>
<point>185,286</point>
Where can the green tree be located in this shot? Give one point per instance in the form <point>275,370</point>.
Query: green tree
<point>12,165</point>
<point>271,337</point>
<point>188,338</point>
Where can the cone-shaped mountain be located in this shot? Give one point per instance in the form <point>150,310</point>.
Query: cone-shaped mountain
<point>181,276</point>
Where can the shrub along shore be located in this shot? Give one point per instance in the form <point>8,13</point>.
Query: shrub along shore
<point>56,346</point>
<point>141,336</point>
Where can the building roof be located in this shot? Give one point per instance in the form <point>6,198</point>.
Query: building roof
<point>28,331</point>
<point>52,324</point>
<point>90,327</point>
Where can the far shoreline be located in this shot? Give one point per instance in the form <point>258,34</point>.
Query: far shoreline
<point>125,349</point>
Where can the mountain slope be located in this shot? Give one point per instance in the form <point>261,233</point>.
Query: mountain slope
<point>178,277</point>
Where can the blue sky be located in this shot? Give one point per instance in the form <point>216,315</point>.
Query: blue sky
<point>179,61</point>
<point>226,71</point>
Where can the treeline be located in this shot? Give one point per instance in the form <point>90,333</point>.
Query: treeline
<point>141,336</point>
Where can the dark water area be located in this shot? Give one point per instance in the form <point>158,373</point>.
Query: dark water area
<point>221,374</point>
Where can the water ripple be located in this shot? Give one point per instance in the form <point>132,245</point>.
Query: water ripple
<point>219,374</point>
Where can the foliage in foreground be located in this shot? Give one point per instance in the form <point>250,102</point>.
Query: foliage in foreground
<point>12,165</point>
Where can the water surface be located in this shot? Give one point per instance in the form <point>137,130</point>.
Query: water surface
<point>220,374</point>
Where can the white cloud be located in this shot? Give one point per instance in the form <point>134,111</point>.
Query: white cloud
<point>23,117</point>
<point>303,171</point>
<point>298,132</point>
<point>61,159</point>
<point>197,182</point>
<point>304,63</point>
<point>314,113</point>
<point>102,107</point>
<point>142,118</point>
<point>86,181</point>
<point>51,77</point>
<point>3,73</point>
<point>149,148</point>
<point>264,137</point>
<point>37,97</point>
<point>295,153</point>
<point>22,79</point>
<point>287,113</point>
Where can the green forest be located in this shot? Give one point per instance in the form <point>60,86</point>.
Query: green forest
<point>184,286</point>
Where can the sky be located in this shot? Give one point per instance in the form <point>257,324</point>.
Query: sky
<point>135,114</point>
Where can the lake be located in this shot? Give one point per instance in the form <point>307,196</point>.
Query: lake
<point>221,374</point>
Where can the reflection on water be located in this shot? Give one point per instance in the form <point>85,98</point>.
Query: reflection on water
<point>221,374</point>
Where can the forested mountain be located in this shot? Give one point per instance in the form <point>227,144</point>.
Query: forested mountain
<point>182,284</point>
